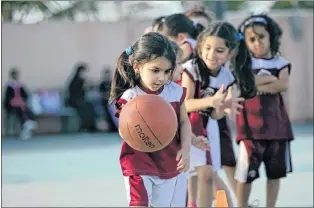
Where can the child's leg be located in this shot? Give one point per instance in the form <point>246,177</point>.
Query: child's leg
<point>230,177</point>
<point>277,161</point>
<point>220,185</point>
<point>205,186</point>
<point>249,159</point>
<point>192,190</point>
<point>272,192</point>
<point>138,190</point>
<point>198,158</point>
<point>243,192</point>
<point>228,160</point>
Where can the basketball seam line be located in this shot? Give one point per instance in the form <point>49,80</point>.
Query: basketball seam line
<point>147,125</point>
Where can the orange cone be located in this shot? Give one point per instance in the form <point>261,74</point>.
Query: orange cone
<point>221,199</point>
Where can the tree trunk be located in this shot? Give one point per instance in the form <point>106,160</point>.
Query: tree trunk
<point>6,12</point>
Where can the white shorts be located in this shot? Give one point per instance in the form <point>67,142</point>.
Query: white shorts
<point>152,191</point>
<point>197,158</point>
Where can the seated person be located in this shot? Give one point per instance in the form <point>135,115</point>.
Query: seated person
<point>15,102</point>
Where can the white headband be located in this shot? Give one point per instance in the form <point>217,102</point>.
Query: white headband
<point>253,20</point>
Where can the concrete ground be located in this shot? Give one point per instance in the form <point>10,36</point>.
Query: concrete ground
<point>83,171</point>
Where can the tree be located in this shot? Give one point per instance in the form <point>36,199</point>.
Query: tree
<point>49,9</point>
<point>10,8</point>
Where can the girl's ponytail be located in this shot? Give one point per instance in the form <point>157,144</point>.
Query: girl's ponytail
<point>124,77</point>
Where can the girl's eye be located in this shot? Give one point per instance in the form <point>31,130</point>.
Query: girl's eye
<point>155,70</point>
<point>261,36</point>
<point>220,51</point>
<point>252,39</point>
<point>167,71</point>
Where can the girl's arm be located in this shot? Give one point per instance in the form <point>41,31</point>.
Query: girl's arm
<point>261,80</point>
<point>193,104</point>
<point>185,129</point>
<point>277,86</point>
<point>183,155</point>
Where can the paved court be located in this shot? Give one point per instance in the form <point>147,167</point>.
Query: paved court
<point>83,170</point>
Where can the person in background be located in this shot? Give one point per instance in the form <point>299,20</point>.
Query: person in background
<point>104,88</point>
<point>199,15</point>
<point>156,23</point>
<point>76,99</point>
<point>180,29</point>
<point>15,102</point>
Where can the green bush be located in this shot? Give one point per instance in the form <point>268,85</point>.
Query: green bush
<point>235,5</point>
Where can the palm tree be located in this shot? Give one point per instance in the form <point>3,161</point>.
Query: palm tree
<point>49,9</point>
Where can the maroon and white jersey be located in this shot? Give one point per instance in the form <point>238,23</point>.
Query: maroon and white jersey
<point>215,130</point>
<point>161,163</point>
<point>266,113</point>
<point>199,119</point>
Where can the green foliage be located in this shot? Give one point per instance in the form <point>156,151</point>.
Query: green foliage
<point>8,8</point>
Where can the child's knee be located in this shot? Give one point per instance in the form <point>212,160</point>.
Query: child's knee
<point>205,174</point>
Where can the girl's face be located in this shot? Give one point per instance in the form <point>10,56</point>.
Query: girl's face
<point>257,41</point>
<point>83,74</point>
<point>179,69</point>
<point>214,52</point>
<point>15,76</point>
<point>155,73</point>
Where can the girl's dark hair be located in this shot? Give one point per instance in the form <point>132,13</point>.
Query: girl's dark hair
<point>80,67</point>
<point>157,21</point>
<point>272,27</point>
<point>180,23</point>
<point>199,12</point>
<point>241,62</point>
<point>149,47</point>
<point>13,72</point>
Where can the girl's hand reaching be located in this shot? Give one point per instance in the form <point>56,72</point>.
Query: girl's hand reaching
<point>232,104</point>
<point>200,142</point>
<point>219,97</point>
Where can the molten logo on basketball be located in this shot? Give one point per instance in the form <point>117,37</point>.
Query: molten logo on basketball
<point>144,138</point>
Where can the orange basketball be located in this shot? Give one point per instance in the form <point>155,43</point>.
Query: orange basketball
<point>148,123</point>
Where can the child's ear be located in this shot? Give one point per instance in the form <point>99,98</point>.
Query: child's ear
<point>136,67</point>
<point>181,37</point>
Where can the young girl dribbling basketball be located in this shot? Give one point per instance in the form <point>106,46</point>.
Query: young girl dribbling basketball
<point>263,128</point>
<point>156,178</point>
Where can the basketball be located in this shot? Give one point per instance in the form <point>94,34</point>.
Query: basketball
<point>148,123</point>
